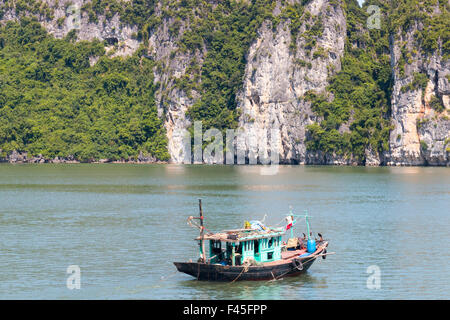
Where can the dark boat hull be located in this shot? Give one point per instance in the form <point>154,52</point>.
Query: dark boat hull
<point>217,272</point>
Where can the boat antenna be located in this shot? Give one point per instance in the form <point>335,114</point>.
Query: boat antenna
<point>307,223</point>
<point>264,218</point>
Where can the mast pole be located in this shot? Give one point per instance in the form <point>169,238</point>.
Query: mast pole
<point>292,216</point>
<point>202,230</point>
<point>307,223</point>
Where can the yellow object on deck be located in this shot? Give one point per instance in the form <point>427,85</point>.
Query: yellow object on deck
<point>292,243</point>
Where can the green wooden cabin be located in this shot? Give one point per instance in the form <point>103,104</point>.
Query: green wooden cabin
<point>235,247</point>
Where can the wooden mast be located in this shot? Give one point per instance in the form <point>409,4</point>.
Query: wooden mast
<point>202,231</point>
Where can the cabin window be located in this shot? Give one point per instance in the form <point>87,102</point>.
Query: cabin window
<point>256,244</point>
<point>216,244</point>
<point>216,247</point>
<point>270,243</point>
<point>229,249</point>
<point>269,255</point>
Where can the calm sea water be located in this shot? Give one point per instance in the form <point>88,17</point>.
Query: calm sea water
<point>124,225</point>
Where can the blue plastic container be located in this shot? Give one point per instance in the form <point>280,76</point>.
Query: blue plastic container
<point>304,255</point>
<point>311,246</point>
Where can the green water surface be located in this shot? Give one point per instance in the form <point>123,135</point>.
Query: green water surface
<point>124,225</point>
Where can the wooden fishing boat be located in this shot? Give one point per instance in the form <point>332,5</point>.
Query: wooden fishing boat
<point>253,253</point>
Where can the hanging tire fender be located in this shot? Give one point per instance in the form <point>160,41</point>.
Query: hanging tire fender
<point>297,264</point>
<point>324,252</point>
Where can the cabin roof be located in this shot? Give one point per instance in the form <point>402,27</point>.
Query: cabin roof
<point>243,235</point>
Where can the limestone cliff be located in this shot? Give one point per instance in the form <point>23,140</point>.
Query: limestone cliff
<point>420,101</point>
<point>279,73</point>
<point>172,65</point>
<point>297,49</point>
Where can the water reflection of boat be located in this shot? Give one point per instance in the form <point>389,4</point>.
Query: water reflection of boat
<point>255,252</point>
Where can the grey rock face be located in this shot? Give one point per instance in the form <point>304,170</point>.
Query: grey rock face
<point>22,157</point>
<point>17,157</point>
<point>145,158</point>
<point>435,139</point>
<point>420,135</point>
<point>172,101</point>
<point>276,79</point>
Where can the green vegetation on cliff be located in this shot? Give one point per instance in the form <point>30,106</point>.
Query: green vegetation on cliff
<point>226,31</point>
<point>52,102</point>
<point>361,93</point>
<point>429,18</point>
